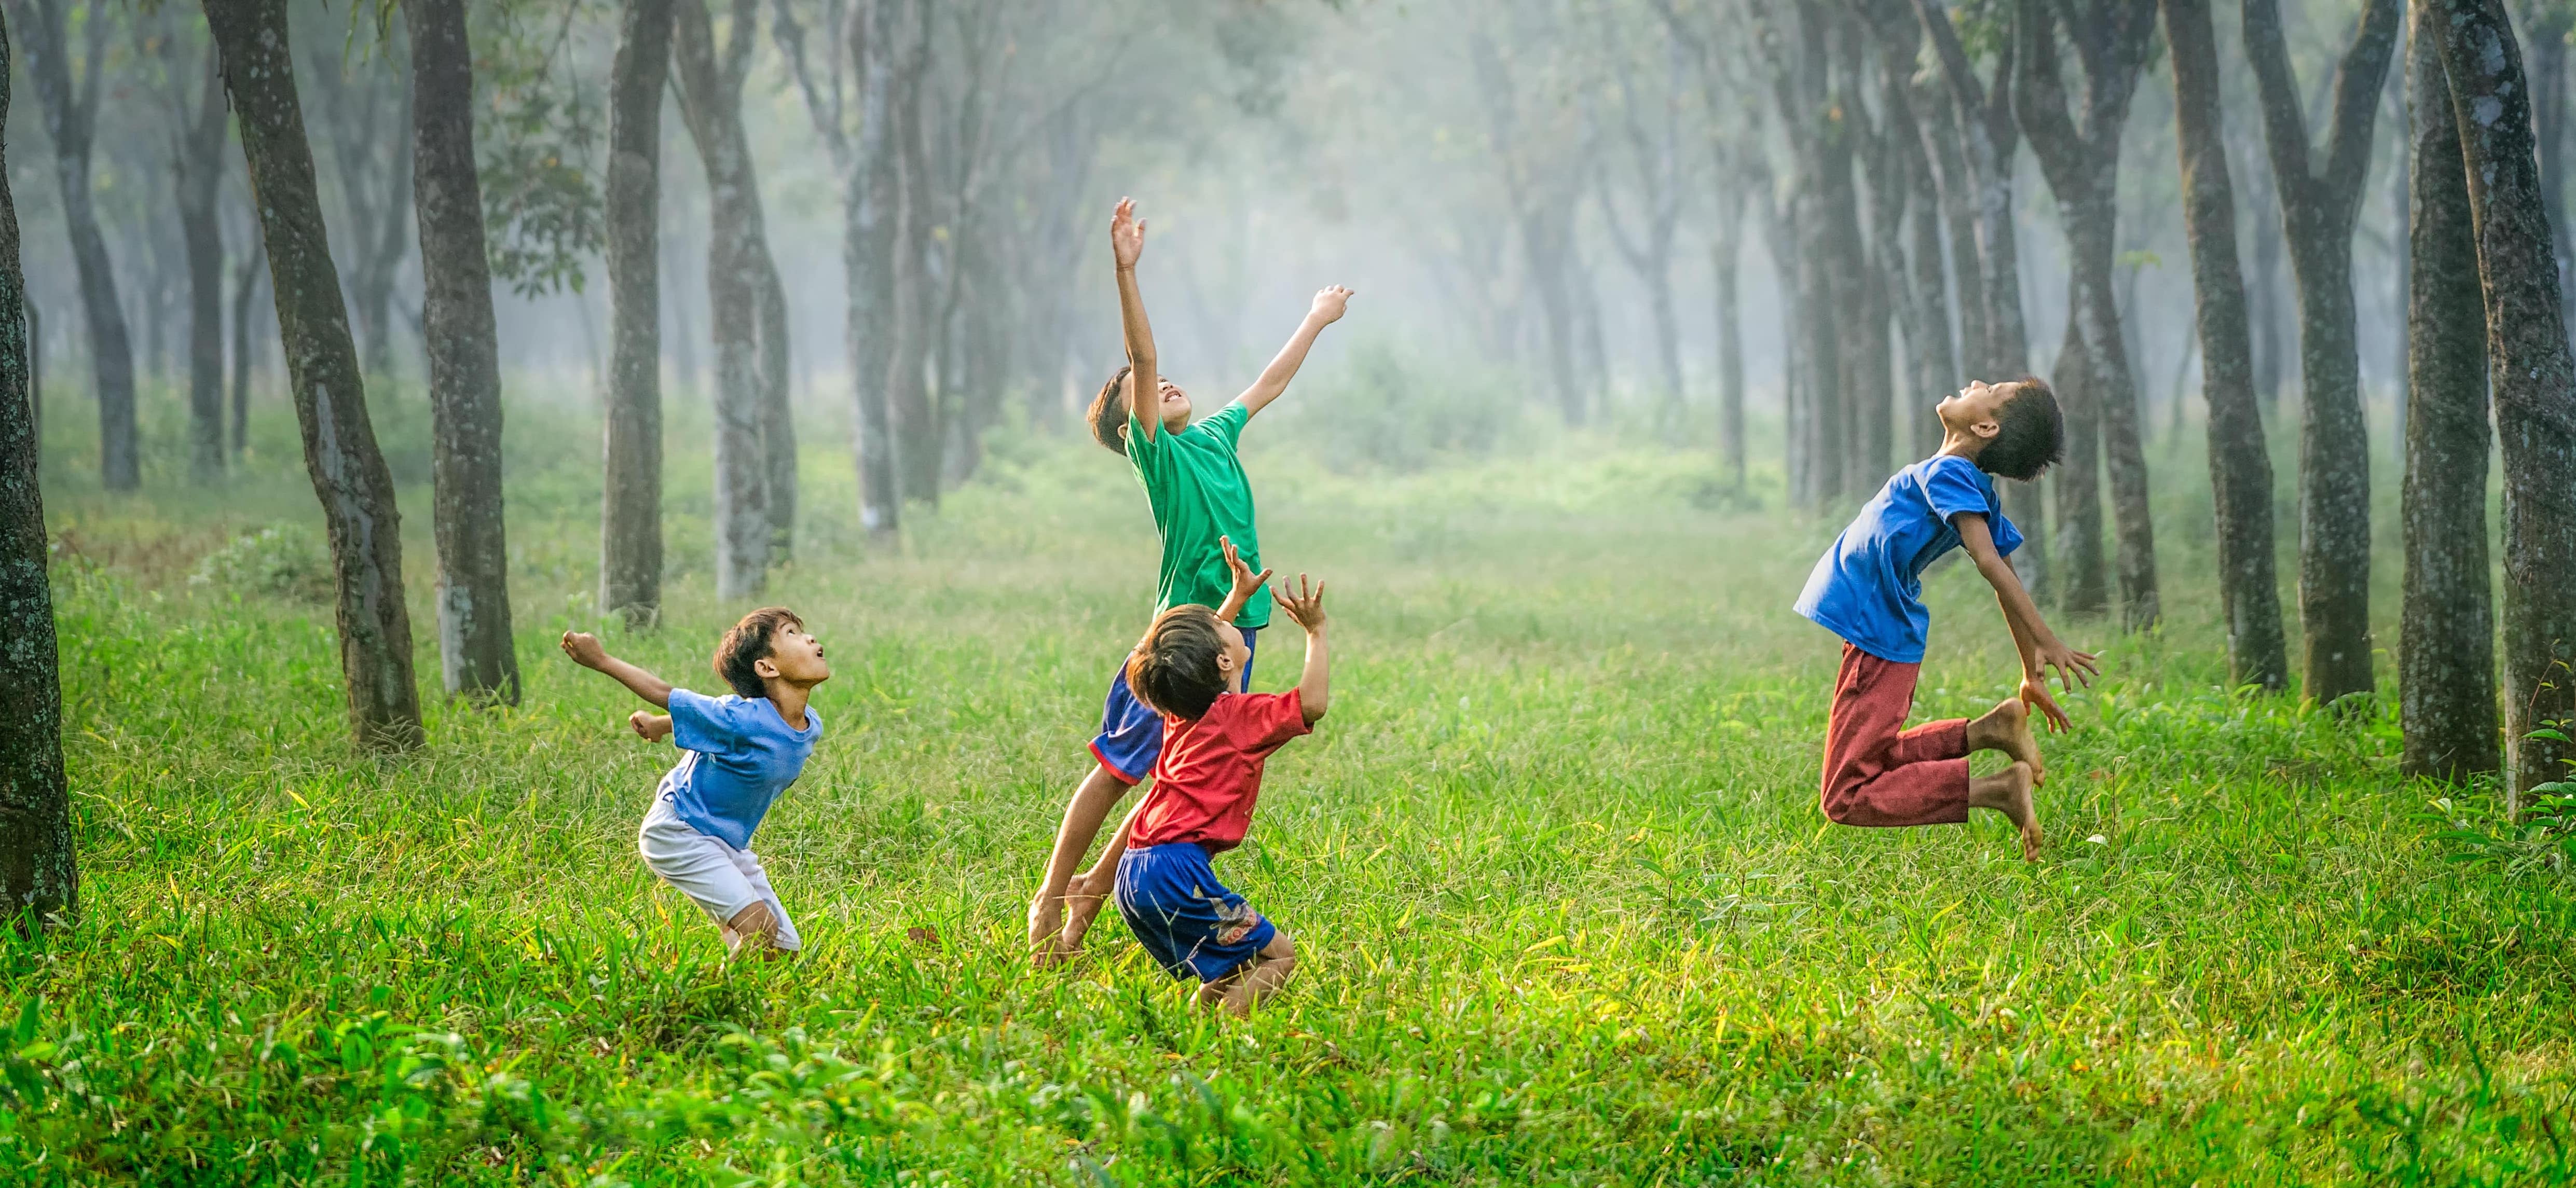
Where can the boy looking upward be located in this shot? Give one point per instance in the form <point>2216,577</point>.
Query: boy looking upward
<point>737,753</point>
<point>1868,589</point>
<point>1215,743</point>
<point>1194,481</point>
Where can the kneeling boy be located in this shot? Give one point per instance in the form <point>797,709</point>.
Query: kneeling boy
<point>1868,589</point>
<point>1215,742</point>
<point>737,753</point>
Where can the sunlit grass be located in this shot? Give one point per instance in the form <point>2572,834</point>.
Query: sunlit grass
<point>1570,911</point>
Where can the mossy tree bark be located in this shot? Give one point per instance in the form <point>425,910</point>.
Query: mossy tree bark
<point>630,568</point>
<point>2534,385</point>
<point>457,329</point>
<point>2240,468</point>
<point>2446,637</point>
<point>39,872</point>
<point>2320,191</point>
<point>340,453</point>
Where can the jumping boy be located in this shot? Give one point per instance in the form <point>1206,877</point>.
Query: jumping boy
<point>1195,483</point>
<point>737,753</point>
<point>1868,589</point>
<point>1215,741</point>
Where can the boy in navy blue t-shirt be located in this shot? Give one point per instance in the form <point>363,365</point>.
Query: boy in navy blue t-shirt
<point>1868,589</point>
<point>737,753</point>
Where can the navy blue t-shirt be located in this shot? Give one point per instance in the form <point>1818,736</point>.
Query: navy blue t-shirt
<point>1868,588</point>
<point>737,755</point>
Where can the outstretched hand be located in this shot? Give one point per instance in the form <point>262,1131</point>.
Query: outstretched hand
<point>1305,605</point>
<point>2072,668</point>
<point>1246,582</point>
<point>1330,302</point>
<point>1126,234</point>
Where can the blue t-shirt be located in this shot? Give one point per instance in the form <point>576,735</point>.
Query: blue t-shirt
<point>1868,588</point>
<point>736,757</point>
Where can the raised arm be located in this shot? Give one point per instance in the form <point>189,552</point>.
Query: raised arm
<point>585,651</point>
<point>1305,605</point>
<point>1145,384</point>
<point>2041,650</point>
<point>1327,310</point>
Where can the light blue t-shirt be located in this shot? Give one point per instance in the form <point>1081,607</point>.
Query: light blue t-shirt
<point>736,756</point>
<point>1868,588</point>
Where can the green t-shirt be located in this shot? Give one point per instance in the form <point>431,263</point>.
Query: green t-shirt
<point>1196,485</point>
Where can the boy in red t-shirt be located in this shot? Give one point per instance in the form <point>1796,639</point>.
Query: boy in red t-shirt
<point>1214,744</point>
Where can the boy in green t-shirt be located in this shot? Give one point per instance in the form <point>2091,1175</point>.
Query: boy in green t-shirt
<point>1203,509</point>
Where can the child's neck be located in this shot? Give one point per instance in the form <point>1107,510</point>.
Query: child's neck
<point>790,700</point>
<point>1960,444</point>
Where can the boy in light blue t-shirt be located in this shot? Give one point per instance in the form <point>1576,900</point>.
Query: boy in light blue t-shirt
<point>1868,589</point>
<point>737,753</point>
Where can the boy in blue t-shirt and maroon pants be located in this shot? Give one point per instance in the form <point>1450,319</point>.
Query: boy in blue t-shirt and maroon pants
<point>1868,589</point>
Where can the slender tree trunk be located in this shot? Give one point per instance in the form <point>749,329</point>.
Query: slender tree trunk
<point>196,178</point>
<point>246,285</point>
<point>916,423</point>
<point>630,571</point>
<point>39,873</point>
<point>349,474</point>
<point>2546,26</point>
<point>711,102</point>
<point>70,107</point>
<point>2535,387</point>
<point>2446,640</point>
<point>869,243</point>
<point>2240,467</point>
<point>777,407</point>
<point>2263,307</point>
<point>1933,359</point>
<point>2320,200</point>
<point>1725,252</point>
<point>457,328</point>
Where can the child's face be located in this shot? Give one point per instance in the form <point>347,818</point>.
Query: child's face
<point>1174,405</point>
<point>1236,655</point>
<point>1972,410</point>
<point>794,657</point>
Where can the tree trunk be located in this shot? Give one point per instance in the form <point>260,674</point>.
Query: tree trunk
<point>457,329</point>
<point>340,453</point>
<point>1726,243</point>
<point>2263,307</point>
<point>2320,199</point>
<point>70,107</point>
<point>2240,467</point>
<point>2446,639</point>
<point>630,569</point>
<point>2535,387</point>
<point>2546,26</point>
<point>777,407</point>
<point>39,872</point>
<point>711,103</point>
<point>2081,162</point>
<point>246,284</point>
<point>1933,359</point>
<point>916,425</point>
<point>197,175</point>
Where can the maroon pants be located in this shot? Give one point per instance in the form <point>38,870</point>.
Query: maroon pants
<point>1877,772</point>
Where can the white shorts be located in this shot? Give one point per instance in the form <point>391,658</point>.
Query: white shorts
<point>716,876</point>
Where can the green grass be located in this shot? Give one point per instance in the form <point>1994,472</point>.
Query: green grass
<point>1570,913</point>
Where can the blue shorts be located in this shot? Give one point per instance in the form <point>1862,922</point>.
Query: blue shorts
<point>1183,916</point>
<point>1131,733</point>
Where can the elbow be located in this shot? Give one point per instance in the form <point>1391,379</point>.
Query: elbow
<point>1314,710</point>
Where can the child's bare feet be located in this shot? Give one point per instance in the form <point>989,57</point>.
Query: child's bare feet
<point>2006,728</point>
<point>2008,792</point>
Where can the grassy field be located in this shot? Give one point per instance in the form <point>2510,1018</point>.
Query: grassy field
<point>1569,911</point>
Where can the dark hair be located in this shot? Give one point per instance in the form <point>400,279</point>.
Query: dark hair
<point>2032,433</point>
<point>1174,668</point>
<point>1108,415</point>
<point>747,645</point>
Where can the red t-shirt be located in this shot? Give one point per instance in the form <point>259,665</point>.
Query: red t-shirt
<point>1210,770</point>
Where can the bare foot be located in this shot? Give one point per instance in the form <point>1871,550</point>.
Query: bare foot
<point>2006,728</point>
<point>2008,792</point>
